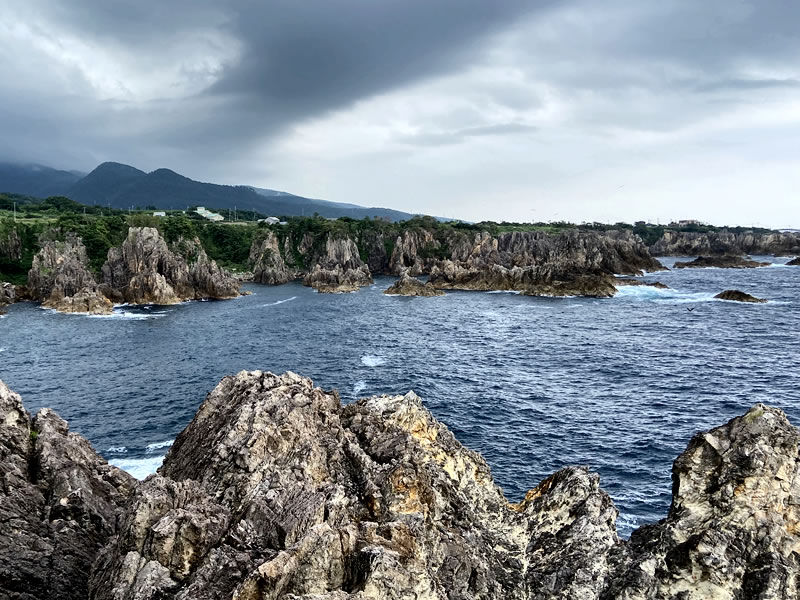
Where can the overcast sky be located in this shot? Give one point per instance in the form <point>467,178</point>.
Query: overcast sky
<point>478,109</point>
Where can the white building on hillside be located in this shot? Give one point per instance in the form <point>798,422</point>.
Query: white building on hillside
<point>211,216</point>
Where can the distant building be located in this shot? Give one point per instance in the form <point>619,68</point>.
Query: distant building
<point>686,223</point>
<point>211,216</point>
<point>159,213</point>
<point>270,220</point>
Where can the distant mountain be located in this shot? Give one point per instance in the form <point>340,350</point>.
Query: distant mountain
<point>36,180</point>
<point>122,186</point>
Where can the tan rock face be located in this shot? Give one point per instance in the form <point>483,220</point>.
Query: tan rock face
<point>61,267</point>
<point>339,269</point>
<point>411,286</point>
<point>267,263</point>
<point>86,301</point>
<point>144,270</point>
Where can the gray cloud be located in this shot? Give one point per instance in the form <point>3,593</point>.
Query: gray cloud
<point>220,90</point>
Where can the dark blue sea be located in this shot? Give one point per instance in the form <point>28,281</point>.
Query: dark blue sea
<point>534,384</point>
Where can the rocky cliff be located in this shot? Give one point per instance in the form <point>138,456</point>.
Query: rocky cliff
<point>267,263</point>
<point>277,491</point>
<point>59,504</point>
<point>339,268</point>
<point>538,263</point>
<point>60,278</point>
<point>10,245</point>
<point>144,270</point>
<point>674,243</point>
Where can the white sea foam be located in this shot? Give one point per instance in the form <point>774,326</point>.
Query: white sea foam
<point>117,450</point>
<point>138,467</point>
<point>642,293</point>
<point>280,301</point>
<point>359,387</point>
<point>131,316</point>
<point>3,349</point>
<point>158,445</point>
<point>371,360</point>
<point>504,292</point>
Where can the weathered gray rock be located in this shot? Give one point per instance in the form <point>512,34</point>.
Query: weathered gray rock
<point>573,263</point>
<point>144,270</point>
<point>413,252</point>
<point>738,296</point>
<point>277,491</point>
<point>411,286</point>
<point>8,293</point>
<point>339,268</point>
<point>721,262</point>
<point>267,263</point>
<point>59,503</point>
<point>60,278</point>
<point>675,243</point>
<point>10,244</point>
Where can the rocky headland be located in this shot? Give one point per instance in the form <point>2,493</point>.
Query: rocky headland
<point>275,490</point>
<point>683,243</point>
<point>534,262</point>
<point>738,296</point>
<point>411,286</point>
<point>721,262</point>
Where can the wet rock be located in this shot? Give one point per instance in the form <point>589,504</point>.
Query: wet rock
<point>339,269</point>
<point>795,262</point>
<point>621,281</point>
<point>267,263</point>
<point>144,270</point>
<point>738,296</point>
<point>59,504</point>
<point>411,286</point>
<point>85,301</point>
<point>721,262</point>
<point>8,293</point>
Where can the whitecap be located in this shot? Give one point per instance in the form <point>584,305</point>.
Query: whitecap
<point>371,360</point>
<point>504,292</point>
<point>646,293</point>
<point>359,387</point>
<point>158,445</point>
<point>117,450</point>
<point>280,301</point>
<point>130,316</point>
<point>3,349</point>
<point>138,467</point>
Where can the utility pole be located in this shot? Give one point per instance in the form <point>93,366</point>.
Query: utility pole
<point>15,212</point>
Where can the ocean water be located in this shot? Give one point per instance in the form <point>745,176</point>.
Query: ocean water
<point>534,384</point>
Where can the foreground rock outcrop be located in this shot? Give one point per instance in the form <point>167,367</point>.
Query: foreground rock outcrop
<point>144,270</point>
<point>8,295</point>
<point>60,278</point>
<point>721,262</point>
<point>277,491</point>
<point>795,262</point>
<point>59,504</point>
<point>411,286</point>
<point>738,296</point>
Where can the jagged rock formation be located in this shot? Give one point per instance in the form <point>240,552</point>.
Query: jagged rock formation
<point>795,262</point>
<point>10,245</point>
<point>674,243</point>
<point>59,504</point>
<point>277,491</point>
<point>624,281</point>
<point>738,296</point>
<point>145,271</point>
<point>721,262</point>
<point>572,263</point>
<point>339,268</point>
<point>8,294</point>
<point>411,286</point>
<point>60,278</point>
<point>375,246</point>
<point>412,252</point>
<point>267,263</point>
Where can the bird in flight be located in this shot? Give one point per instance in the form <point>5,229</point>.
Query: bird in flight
<point>690,309</point>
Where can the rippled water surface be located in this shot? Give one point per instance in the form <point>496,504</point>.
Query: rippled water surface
<point>534,384</point>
